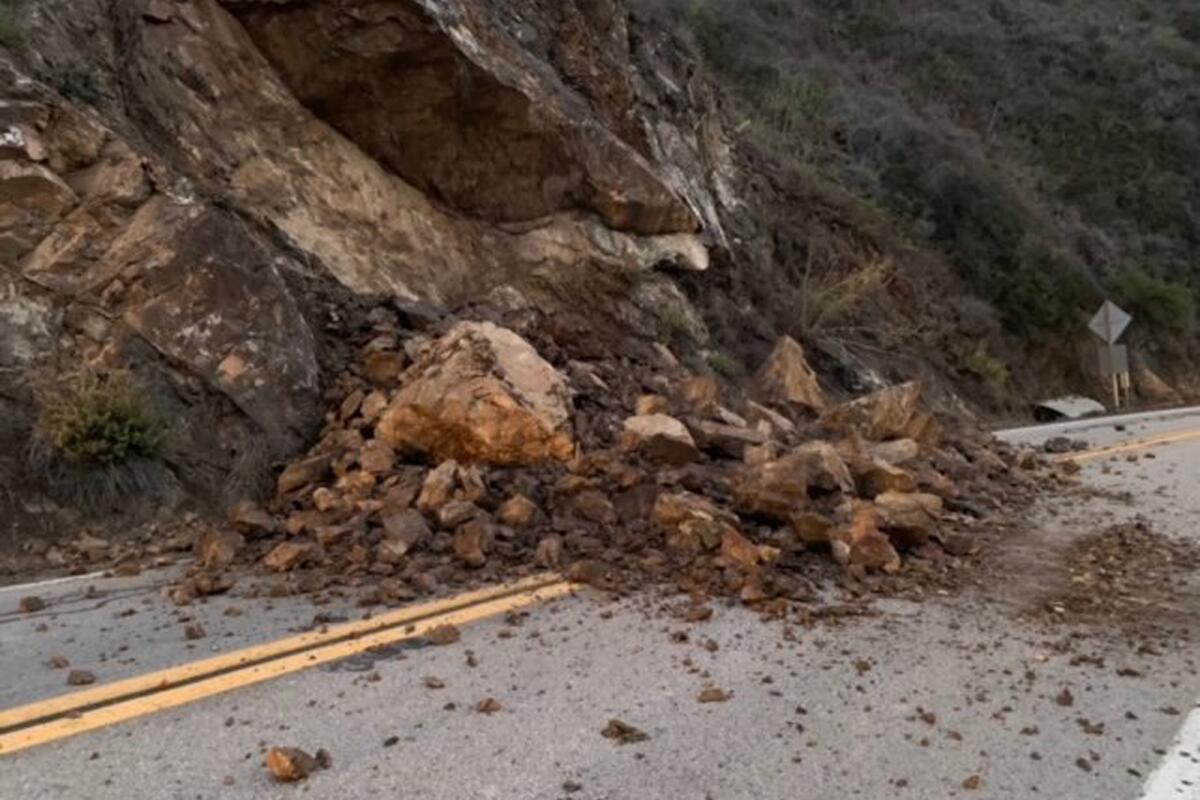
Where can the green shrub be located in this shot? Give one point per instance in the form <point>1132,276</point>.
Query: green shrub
<point>10,28</point>
<point>724,366</point>
<point>100,420</point>
<point>1164,307</point>
<point>983,365</point>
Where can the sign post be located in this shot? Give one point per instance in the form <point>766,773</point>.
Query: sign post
<point>1108,324</point>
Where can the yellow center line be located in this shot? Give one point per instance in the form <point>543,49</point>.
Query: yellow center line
<point>185,683</point>
<point>1118,449</point>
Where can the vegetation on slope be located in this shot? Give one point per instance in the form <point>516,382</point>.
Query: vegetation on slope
<point>1049,150</point>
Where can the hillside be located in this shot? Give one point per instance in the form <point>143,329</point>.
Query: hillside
<point>1049,152</point>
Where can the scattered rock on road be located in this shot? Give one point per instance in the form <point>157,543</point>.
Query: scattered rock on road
<point>291,764</point>
<point>31,604</point>
<point>80,677</point>
<point>622,732</point>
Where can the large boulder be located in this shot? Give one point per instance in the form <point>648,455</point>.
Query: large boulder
<point>786,377</point>
<point>781,487</point>
<point>889,413</point>
<point>481,393</point>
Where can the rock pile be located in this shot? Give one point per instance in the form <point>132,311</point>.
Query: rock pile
<point>468,454</point>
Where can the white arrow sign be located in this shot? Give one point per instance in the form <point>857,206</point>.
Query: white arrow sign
<point>1110,322</point>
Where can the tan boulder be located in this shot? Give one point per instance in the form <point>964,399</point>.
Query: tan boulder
<point>862,544</point>
<point>879,477</point>
<point>481,393</point>
<point>216,549</point>
<point>659,438</point>
<point>886,414</point>
<point>248,518</point>
<point>786,377</point>
<point>1152,387</point>
<point>288,556</point>
<point>781,487</point>
<point>909,517</point>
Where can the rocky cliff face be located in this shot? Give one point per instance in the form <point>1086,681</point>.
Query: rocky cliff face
<point>205,192</point>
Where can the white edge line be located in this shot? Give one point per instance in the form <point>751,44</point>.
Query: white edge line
<point>1177,777</point>
<point>20,587</point>
<point>1100,422</point>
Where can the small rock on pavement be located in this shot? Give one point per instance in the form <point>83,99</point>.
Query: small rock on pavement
<point>80,677</point>
<point>713,695</point>
<point>489,705</point>
<point>622,732</point>
<point>194,631</point>
<point>973,783</point>
<point>31,604</point>
<point>290,764</point>
<point>58,662</point>
<point>444,634</point>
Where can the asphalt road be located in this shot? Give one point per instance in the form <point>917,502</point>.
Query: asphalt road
<point>953,697</point>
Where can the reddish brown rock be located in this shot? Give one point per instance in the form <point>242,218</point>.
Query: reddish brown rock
<point>401,533</point>
<point>811,528</point>
<point>786,377</point>
<point>550,552</point>
<point>301,473</point>
<point>482,393</point>
<point>291,764</point>
<point>377,458</point>
<point>594,506</point>
<point>383,368</point>
<point>472,542</point>
<point>439,486</point>
<point>216,549</point>
<point>659,438</point>
<point>517,511</point>
<point>457,512</point>
<point>249,519</point>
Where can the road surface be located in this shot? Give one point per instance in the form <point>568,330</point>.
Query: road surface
<point>960,696</point>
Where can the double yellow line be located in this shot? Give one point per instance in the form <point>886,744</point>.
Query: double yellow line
<point>1128,447</point>
<point>78,712</point>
